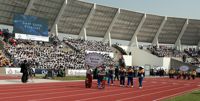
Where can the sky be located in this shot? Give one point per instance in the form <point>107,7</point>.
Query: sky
<point>172,8</point>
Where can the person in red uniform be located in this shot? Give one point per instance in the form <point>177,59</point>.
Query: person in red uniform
<point>88,81</point>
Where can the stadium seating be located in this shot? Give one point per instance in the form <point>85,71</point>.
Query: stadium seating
<point>80,44</point>
<point>46,55</point>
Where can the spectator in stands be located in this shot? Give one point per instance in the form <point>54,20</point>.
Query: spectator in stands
<point>89,45</point>
<point>1,32</point>
<point>184,58</point>
<point>47,55</point>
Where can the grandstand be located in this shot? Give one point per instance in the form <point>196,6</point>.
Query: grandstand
<point>76,28</point>
<point>78,19</point>
<point>86,19</point>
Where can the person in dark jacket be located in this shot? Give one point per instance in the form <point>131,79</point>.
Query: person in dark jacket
<point>116,73</point>
<point>141,75</point>
<point>130,77</point>
<point>110,75</point>
<point>122,73</point>
<point>24,71</point>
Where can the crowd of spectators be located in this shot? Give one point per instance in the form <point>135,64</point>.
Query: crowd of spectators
<point>89,45</point>
<point>192,52</point>
<point>3,60</point>
<point>164,51</point>
<point>42,55</point>
<point>158,72</point>
<point>52,55</point>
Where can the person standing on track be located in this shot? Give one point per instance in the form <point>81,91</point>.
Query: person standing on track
<point>101,77</point>
<point>141,75</point>
<point>194,73</point>
<point>116,73</point>
<point>130,77</point>
<point>30,73</point>
<point>24,71</point>
<point>88,81</point>
<point>110,75</point>
<point>122,74</point>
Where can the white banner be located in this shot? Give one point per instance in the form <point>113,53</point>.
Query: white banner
<point>94,59</point>
<point>109,53</point>
<point>31,37</point>
<point>77,72</point>
<point>198,70</point>
<point>13,71</point>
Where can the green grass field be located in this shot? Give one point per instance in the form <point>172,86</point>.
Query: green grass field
<point>192,96</point>
<point>70,78</point>
<point>62,78</point>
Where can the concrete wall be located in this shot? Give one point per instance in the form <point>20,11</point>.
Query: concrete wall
<point>166,62</point>
<point>142,58</point>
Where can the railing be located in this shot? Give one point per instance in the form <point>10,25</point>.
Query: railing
<point>120,49</point>
<point>176,64</point>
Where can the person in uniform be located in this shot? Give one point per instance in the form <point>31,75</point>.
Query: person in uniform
<point>194,73</point>
<point>189,75</point>
<point>101,77</point>
<point>171,73</point>
<point>110,75</point>
<point>184,75</point>
<point>88,81</point>
<point>122,73</point>
<point>141,75</point>
<point>130,73</point>
<point>116,73</point>
<point>30,73</point>
<point>179,74</point>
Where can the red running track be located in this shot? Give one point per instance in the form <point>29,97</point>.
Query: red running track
<point>153,89</point>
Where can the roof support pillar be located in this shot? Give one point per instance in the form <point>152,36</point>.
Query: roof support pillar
<point>155,40</point>
<point>178,41</point>
<point>82,33</point>
<point>107,36</point>
<point>198,46</point>
<point>134,41</point>
<point>58,17</point>
<point>56,31</point>
<point>30,4</point>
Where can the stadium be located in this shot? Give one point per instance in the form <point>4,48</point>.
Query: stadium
<point>74,50</point>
